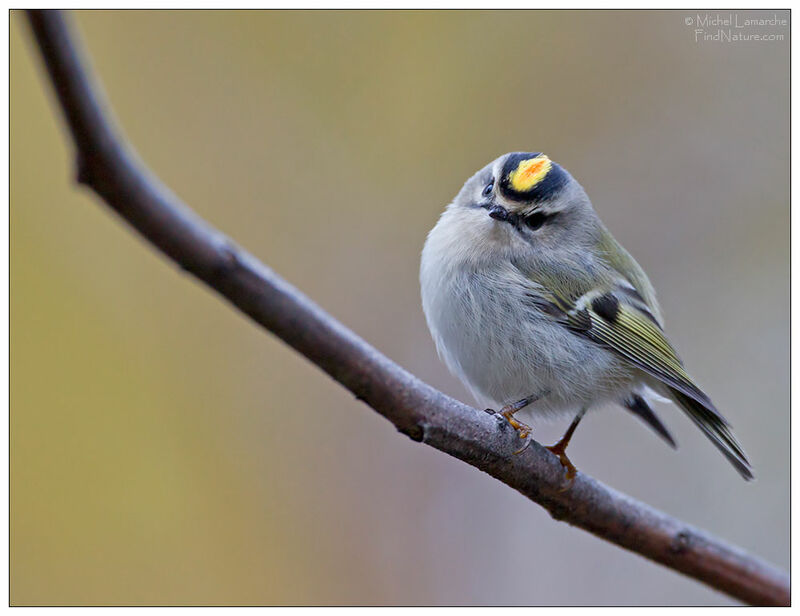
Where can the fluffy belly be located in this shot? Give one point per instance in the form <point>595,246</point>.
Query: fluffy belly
<point>505,350</point>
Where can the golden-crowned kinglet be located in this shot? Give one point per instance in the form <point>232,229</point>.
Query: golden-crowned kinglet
<point>535,306</point>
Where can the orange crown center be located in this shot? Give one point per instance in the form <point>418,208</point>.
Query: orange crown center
<point>529,173</point>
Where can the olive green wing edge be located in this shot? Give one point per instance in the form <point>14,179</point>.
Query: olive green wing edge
<point>634,334</point>
<point>637,337</point>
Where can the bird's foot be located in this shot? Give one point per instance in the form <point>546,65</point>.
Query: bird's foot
<point>560,450</point>
<point>507,412</point>
<point>523,430</point>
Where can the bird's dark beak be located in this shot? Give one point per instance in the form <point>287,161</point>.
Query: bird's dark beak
<point>498,212</point>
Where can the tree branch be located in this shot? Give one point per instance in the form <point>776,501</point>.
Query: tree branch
<point>424,414</point>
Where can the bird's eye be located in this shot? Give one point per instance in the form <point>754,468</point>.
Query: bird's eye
<point>487,190</point>
<point>537,219</point>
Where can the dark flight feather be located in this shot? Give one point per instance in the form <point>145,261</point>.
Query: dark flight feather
<point>637,405</point>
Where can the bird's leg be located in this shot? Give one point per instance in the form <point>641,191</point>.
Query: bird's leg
<point>508,411</point>
<point>560,447</point>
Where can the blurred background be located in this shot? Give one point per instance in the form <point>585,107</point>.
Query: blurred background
<point>164,450</point>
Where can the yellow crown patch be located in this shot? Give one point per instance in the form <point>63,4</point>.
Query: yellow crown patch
<point>529,173</point>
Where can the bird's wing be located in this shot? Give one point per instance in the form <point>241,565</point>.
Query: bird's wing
<point>612,320</point>
<point>632,332</point>
<point>633,278</point>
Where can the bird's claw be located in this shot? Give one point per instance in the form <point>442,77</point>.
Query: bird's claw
<point>524,430</point>
<point>560,451</point>
<point>525,446</point>
<point>507,413</point>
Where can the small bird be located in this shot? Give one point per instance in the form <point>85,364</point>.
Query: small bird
<point>534,305</point>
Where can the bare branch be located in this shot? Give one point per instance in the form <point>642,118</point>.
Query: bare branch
<point>107,166</point>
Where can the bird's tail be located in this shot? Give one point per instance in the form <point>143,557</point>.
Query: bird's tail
<point>716,429</point>
<point>638,406</point>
